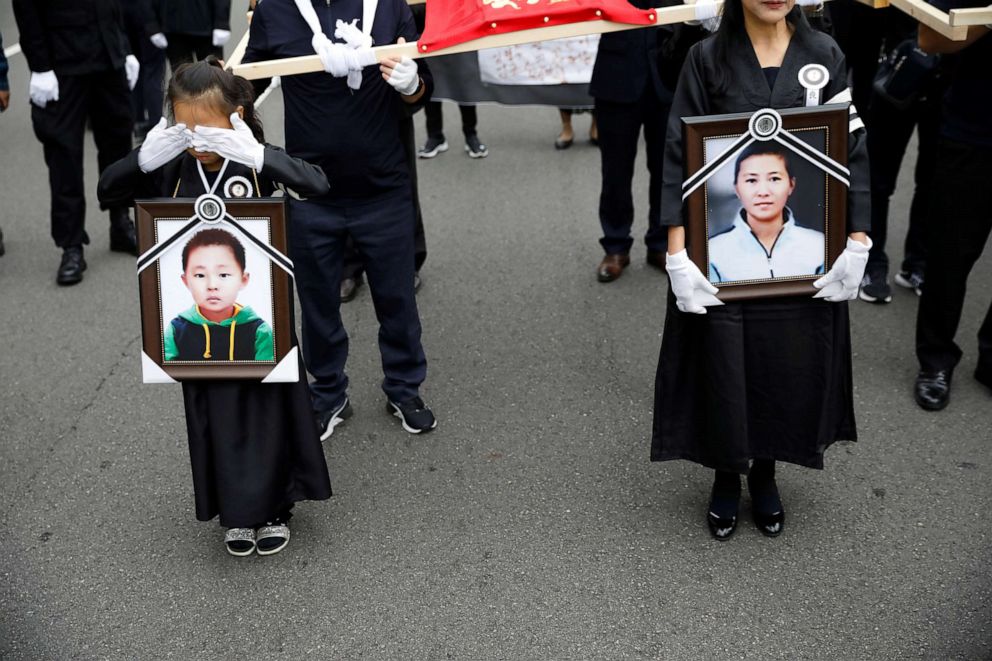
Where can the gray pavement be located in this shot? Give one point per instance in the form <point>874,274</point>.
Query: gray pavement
<point>530,524</point>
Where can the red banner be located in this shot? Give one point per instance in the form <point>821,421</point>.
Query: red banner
<point>451,22</point>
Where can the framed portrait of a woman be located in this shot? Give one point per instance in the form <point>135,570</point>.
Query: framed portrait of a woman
<point>766,195</point>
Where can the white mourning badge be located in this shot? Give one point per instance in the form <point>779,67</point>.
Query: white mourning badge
<point>237,187</point>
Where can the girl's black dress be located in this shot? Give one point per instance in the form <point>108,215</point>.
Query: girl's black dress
<point>254,447</point>
<point>759,379</point>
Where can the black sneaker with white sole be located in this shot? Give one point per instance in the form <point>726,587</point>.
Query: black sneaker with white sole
<point>414,415</point>
<point>474,147</point>
<point>875,288</point>
<point>910,280</point>
<point>433,147</point>
<point>328,420</point>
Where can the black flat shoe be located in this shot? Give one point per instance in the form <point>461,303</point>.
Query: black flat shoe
<point>932,390</point>
<point>766,507</point>
<point>721,517</point>
<point>72,266</point>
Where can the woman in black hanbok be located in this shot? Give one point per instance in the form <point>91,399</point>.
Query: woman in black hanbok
<point>743,385</point>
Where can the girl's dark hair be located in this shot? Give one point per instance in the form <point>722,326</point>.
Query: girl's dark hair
<point>731,37</point>
<point>195,80</point>
<point>215,237</point>
<point>762,148</point>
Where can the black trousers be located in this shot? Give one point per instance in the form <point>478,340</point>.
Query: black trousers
<point>619,126</point>
<point>184,48</point>
<point>354,261</point>
<point>105,100</point>
<point>890,132</point>
<point>962,214</point>
<point>148,94</point>
<point>435,119</point>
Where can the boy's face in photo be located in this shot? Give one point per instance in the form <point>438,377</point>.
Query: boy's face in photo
<point>764,186</point>
<point>214,278</point>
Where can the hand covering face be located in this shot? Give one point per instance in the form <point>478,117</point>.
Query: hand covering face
<point>237,144</point>
<point>162,144</point>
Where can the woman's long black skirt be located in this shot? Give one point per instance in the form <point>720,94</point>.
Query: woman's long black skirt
<point>254,449</point>
<point>762,379</point>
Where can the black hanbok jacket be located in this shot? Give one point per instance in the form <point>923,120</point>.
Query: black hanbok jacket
<point>767,378</point>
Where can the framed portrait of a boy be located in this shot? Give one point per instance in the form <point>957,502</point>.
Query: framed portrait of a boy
<point>214,283</point>
<point>766,198</point>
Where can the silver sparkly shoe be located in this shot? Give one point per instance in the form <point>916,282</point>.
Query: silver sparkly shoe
<point>272,539</point>
<point>239,541</point>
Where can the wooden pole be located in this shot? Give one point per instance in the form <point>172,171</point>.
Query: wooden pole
<point>931,17</point>
<point>239,51</point>
<point>972,16</point>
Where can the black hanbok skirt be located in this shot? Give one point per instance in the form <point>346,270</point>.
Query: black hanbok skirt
<point>761,379</point>
<point>254,449</point>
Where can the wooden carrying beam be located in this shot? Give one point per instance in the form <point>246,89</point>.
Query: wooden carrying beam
<point>972,16</point>
<point>311,63</point>
<point>931,17</point>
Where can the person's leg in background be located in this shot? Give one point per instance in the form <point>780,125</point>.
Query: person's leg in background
<point>110,116</point>
<point>655,119</point>
<point>60,127</point>
<point>961,220</point>
<point>887,141</point>
<point>149,94</point>
<point>470,119</point>
<point>435,144</point>
<point>619,131</point>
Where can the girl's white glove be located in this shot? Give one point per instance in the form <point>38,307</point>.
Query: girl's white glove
<point>159,41</point>
<point>162,144</point>
<point>693,292</point>
<point>131,69</point>
<point>220,37</point>
<point>404,78</point>
<point>237,144</point>
<point>842,281</point>
<point>44,87</point>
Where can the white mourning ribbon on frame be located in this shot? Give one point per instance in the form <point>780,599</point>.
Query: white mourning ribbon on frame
<point>766,125</point>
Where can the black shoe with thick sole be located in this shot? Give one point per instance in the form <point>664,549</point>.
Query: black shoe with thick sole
<point>122,236</point>
<point>875,287</point>
<point>328,420</point>
<point>932,390</point>
<point>433,147</point>
<point>721,516</point>
<point>474,147</point>
<point>72,266</point>
<point>910,280</point>
<point>766,507</point>
<point>413,414</point>
<point>350,287</point>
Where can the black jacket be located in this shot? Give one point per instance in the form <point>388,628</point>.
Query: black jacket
<point>72,37</point>
<point>193,17</point>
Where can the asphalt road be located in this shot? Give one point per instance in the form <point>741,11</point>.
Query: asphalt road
<point>530,524</point>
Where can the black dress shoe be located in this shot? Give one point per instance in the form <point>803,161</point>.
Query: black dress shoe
<point>933,389</point>
<point>122,236</point>
<point>766,507</point>
<point>349,288</point>
<point>72,266</point>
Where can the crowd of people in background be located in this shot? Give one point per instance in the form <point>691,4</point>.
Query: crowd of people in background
<point>103,65</point>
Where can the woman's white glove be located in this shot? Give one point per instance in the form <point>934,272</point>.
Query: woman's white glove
<point>237,144</point>
<point>44,87</point>
<point>220,37</point>
<point>162,144</point>
<point>159,41</point>
<point>842,281</point>
<point>404,78</point>
<point>693,292</point>
<point>131,69</point>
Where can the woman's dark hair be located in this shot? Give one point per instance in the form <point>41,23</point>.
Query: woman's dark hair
<point>195,80</point>
<point>731,37</point>
<point>763,148</point>
<point>214,237</point>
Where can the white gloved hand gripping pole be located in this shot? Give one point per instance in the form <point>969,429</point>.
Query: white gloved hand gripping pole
<point>341,59</point>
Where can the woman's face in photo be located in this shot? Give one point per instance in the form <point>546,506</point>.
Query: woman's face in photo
<point>215,279</point>
<point>768,11</point>
<point>764,186</point>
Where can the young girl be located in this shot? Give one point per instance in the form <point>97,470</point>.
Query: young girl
<point>253,447</point>
<point>762,380</point>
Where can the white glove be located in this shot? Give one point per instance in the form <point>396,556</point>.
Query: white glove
<point>162,144</point>
<point>44,87</point>
<point>131,69</point>
<point>691,288</point>
<point>404,78</point>
<point>707,15</point>
<point>338,59</point>
<point>352,35</point>
<point>842,281</point>
<point>159,41</point>
<point>237,144</point>
<point>220,37</point>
